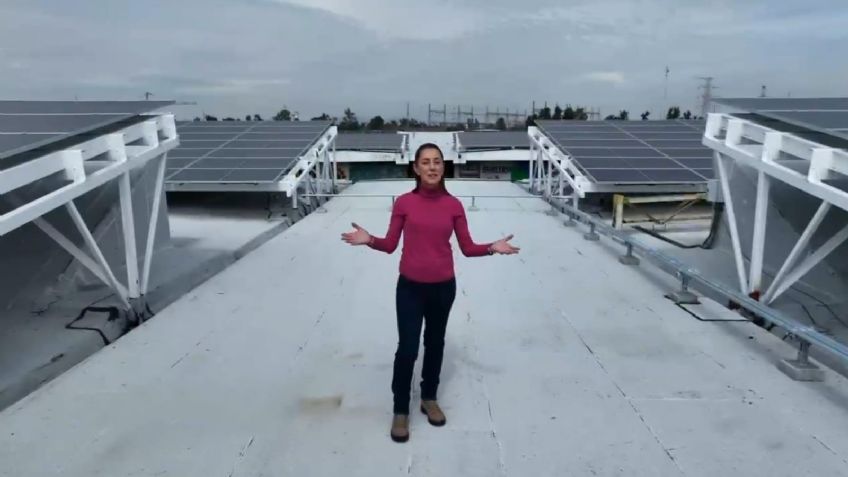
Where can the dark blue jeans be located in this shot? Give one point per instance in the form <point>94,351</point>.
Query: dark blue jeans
<point>417,303</point>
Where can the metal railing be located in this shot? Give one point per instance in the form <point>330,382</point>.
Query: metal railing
<point>688,276</point>
<point>473,198</point>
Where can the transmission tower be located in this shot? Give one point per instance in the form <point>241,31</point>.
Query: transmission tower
<point>439,112</point>
<point>707,96</point>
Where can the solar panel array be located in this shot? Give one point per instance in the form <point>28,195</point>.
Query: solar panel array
<point>27,125</point>
<point>635,152</point>
<point>240,151</point>
<point>380,142</point>
<point>494,140</point>
<point>827,115</point>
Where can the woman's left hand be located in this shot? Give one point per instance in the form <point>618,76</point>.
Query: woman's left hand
<point>503,246</point>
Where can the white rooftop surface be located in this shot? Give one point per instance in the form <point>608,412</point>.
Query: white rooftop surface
<point>558,361</point>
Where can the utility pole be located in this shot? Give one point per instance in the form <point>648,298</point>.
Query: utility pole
<point>707,96</point>
<point>763,91</point>
<point>147,95</point>
<point>439,112</point>
<point>665,93</point>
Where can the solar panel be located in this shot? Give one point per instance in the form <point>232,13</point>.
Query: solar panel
<point>239,152</point>
<point>494,140</point>
<point>635,152</point>
<point>825,115</point>
<point>27,125</point>
<point>369,142</point>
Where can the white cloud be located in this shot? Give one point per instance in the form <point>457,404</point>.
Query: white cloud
<point>613,77</point>
<point>404,19</point>
<point>236,85</point>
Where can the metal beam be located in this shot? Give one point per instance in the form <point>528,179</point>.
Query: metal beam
<point>797,249</point>
<point>153,225</point>
<point>731,222</point>
<point>128,230</point>
<point>37,208</point>
<point>95,250</point>
<point>76,253</point>
<point>812,261</point>
<point>759,239</point>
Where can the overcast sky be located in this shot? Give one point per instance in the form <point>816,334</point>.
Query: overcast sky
<point>235,57</point>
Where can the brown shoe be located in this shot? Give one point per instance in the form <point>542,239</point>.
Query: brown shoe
<point>434,413</point>
<point>400,428</point>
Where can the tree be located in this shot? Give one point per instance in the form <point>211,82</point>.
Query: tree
<point>349,121</point>
<point>531,121</point>
<point>500,124</point>
<point>623,115</point>
<point>196,118</point>
<point>558,113</point>
<point>568,114</point>
<point>545,113</point>
<point>687,114</point>
<point>283,115</point>
<point>229,119</point>
<point>376,123</point>
<point>257,117</point>
<point>580,114</point>
<point>673,113</point>
<point>322,117</point>
<point>209,117</point>
<point>645,115</point>
<point>611,117</point>
<point>248,118</point>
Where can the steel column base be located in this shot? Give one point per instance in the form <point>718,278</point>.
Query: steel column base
<point>684,297</point>
<point>801,371</point>
<point>628,260</point>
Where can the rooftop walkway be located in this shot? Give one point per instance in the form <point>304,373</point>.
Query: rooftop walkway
<point>559,361</point>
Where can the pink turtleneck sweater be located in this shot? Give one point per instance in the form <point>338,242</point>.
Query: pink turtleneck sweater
<point>428,219</point>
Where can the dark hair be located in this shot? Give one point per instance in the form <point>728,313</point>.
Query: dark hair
<point>427,145</point>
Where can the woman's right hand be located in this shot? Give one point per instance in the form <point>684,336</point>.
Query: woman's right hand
<point>358,236</point>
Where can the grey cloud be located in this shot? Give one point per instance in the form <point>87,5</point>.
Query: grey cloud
<point>236,57</point>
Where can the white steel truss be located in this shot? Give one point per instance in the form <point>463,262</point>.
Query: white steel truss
<point>108,157</point>
<point>315,170</point>
<point>550,168</point>
<point>763,149</point>
<point>553,169</point>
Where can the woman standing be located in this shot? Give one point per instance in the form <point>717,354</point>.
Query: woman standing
<point>427,216</point>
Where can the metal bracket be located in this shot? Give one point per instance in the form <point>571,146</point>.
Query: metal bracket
<point>800,368</point>
<point>628,258</point>
<point>684,296</point>
<point>592,235</point>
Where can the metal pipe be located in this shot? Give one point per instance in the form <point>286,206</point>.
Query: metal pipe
<point>674,266</point>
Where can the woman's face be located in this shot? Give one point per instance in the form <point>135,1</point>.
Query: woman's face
<point>430,167</point>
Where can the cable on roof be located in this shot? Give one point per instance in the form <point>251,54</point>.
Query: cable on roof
<point>708,242</point>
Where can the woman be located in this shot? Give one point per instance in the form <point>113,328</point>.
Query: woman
<point>426,287</point>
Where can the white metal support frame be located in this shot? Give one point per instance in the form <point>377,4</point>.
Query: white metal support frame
<point>560,168</point>
<point>108,157</point>
<point>321,156</point>
<point>761,148</point>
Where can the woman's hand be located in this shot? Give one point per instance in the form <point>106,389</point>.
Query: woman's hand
<point>358,236</point>
<point>503,246</point>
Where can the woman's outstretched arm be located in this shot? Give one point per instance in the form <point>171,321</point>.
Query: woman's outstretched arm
<point>471,249</point>
<point>466,244</point>
<point>389,243</point>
